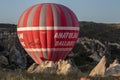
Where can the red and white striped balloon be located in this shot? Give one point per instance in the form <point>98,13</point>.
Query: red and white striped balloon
<point>48,31</point>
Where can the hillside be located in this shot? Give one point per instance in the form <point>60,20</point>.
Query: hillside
<point>100,31</point>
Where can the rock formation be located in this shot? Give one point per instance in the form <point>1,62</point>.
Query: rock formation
<point>106,68</point>
<point>100,68</point>
<point>60,67</point>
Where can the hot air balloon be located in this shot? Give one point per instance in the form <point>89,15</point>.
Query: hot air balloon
<point>48,31</point>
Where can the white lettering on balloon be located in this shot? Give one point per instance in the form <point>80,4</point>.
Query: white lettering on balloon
<point>64,43</point>
<point>66,35</point>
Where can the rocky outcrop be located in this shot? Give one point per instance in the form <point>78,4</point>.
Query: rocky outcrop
<point>67,67</point>
<point>60,67</point>
<point>105,68</point>
<point>95,48</point>
<point>46,67</point>
<point>100,68</point>
<point>98,49</point>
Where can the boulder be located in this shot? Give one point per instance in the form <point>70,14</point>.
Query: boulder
<point>100,68</point>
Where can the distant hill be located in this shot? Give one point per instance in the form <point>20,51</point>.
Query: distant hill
<point>7,28</point>
<point>5,25</point>
<point>116,25</point>
<point>100,31</point>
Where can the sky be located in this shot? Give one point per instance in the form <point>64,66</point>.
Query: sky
<point>100,11</point>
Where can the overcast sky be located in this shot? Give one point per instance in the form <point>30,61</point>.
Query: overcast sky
<point>101,11</point>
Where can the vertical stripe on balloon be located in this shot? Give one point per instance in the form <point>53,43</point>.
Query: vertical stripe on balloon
<point>20,22</point>
<point>34,34</point>
<point>67,16</point>
<point>55,15</point>
<point>26,16</point>
<point>50,33</point>
<point>74,17</point>
<point>36,22</point>
<point>43,33</point>
<point>29,36</point>
<point>63,21</point>
<point>56,19</point>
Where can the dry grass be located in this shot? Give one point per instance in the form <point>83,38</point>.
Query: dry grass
<point>22,75</point>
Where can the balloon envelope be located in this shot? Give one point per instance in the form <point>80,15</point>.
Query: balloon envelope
<point>48,31</point>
